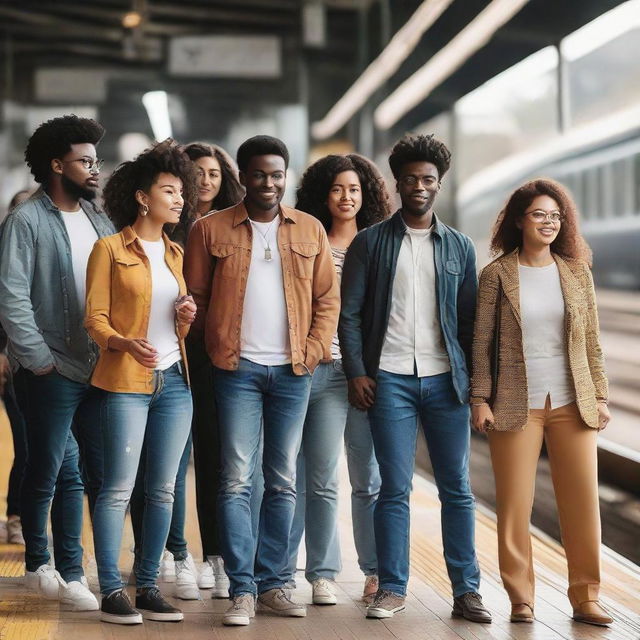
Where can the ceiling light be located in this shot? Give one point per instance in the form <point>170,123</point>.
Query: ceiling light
<point>131,20</point>
<point>451,57</point>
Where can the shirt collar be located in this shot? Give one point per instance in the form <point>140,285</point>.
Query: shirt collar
<point>241,215</point>
<point>436,226</point>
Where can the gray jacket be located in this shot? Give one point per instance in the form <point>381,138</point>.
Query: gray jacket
<point>39,308</point>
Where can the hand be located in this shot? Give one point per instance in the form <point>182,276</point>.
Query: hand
<point>186,310</point>
<point>362,392</point>
<point>143,351</point>
<point>44,371</point>
<point>603,415</point>
<point>482,419</point>
<point>4,372</point>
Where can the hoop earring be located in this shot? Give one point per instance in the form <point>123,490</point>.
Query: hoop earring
<point>145,210</point>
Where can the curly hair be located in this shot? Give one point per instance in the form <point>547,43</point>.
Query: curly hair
<point>317,180</point>
<point>569,243</point>
<point>231,191</point>
<point>420,148</point>
<point>261,146</point>
<point>53,139</point>
<point>141,173</point>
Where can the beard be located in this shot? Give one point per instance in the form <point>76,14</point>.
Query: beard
<point>76,190</point>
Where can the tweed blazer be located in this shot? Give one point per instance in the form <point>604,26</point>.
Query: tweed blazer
<point>586,362</point>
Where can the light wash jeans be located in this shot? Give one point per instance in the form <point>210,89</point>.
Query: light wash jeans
<point>251,400</point>
<point>400,401</point>
<point>317,478</point>
<point>161,421</point>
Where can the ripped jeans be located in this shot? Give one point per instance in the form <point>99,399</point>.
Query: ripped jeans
<point>162,421</point>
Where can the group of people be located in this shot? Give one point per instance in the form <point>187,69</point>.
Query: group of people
<point>195,307</point>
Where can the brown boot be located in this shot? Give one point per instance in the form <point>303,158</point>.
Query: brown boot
<point>592,612</point>
<point>521,612</point>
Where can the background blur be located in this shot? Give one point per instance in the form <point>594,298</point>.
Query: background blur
<point>516,89</point>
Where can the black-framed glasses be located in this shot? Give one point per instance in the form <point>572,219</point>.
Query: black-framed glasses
<point>538,215</point>
<point>412,181</point>
<point>88,163</point>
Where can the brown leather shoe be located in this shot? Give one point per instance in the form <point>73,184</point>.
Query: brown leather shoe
<point>592,612</point>
<point>470,607</point>
<point>521,612</point>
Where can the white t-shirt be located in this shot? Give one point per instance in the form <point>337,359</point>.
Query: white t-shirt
<point>543,335</point>
<point>338,262</point>
<point>264,336</point>
<point>414,334</point>
<point>82,237</point>
<point>164,293</point>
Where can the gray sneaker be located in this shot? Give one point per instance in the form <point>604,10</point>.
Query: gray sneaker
<point>279,601</point>
<point>242,609</point>
<point>385,604</point>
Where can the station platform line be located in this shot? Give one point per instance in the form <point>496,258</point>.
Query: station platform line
<point>25,616</point>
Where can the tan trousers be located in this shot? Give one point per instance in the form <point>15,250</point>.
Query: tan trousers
<point>572,449</point>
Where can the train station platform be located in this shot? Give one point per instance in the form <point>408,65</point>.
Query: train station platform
<point>25,616</point>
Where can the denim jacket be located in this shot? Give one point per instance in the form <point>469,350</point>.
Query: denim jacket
<point>367,286</point>
<point>39,308</point>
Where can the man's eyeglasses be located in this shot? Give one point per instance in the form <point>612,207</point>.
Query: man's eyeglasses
<point>538,215</point>
<point>412,181</point>
<point>89,163</point>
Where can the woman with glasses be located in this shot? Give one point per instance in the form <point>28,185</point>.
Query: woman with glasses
<point>138,313</point>
<point>347,194</point>
<point>538,376</point>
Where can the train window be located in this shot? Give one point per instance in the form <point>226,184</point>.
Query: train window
<point>591,191</point>
<point>622,171</point>
<point>636,184</point>
<point>606,191</point>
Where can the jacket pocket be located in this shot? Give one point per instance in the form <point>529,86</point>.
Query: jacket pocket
<point>127,262</point>
<point>303,255</point>
<point>227,259</point>
<point>453,267</point>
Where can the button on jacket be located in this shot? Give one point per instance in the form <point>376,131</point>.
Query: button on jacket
<point>367,286</point>
<point>500,284</point>
<point>39,307</point>
<point>119,304</point>
<point>218,256</point>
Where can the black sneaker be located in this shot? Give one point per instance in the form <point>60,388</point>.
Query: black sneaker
<point>154,607</point>
<point>116,608</point>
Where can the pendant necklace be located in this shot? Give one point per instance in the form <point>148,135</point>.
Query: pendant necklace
<point>267,247</point>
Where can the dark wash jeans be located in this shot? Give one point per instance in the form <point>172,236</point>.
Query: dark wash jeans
<point>402,400</point>
<point>54,404</point>
<point>14,404</point>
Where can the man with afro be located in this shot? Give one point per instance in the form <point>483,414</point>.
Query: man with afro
<point>44,248</point>
<point>408,301</point>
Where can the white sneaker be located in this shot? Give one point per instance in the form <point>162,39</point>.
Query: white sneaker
<point>46,581</point>
<point>323,591</point>
<point>77,597</point>
<point>221,589</point>
<point>186,576</point>
<point>167,567</point>
<point>206,579</point>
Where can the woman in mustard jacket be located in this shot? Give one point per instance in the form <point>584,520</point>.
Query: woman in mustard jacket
<point>538,375</point>
<point>139,314</point>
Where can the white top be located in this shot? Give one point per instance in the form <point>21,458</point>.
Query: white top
<point>338,261</point>
<point>543,336</point>
<point>414,336</point>
<point>264,336</point>
<point>164,293</point>
<point>82,237</point>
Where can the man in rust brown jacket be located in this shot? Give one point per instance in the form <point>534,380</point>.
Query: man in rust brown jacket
<point>263,279</point>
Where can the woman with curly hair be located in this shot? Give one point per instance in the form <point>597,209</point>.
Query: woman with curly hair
<point>347,194</point>
<point>138,313</point>
<point>538,376</point>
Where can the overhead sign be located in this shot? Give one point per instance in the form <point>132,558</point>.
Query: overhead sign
<point>226,56</point>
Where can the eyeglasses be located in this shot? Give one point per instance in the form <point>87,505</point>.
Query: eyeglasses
<point>89,163</point>
<point>538,215</point>
<point>412,181</point>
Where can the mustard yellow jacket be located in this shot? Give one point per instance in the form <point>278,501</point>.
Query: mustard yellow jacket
<point>119,304</point>
<point>500,284</point>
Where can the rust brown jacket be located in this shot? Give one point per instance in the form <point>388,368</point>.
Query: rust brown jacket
<point>119,304</point>
<point>586,362</point>
<point>217,259</point>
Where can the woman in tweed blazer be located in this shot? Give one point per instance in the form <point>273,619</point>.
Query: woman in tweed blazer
<point>538,374</point>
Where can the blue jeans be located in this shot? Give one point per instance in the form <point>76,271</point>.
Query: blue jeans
<point>161,421</point>
<point>317,475</point>
<point>176,542</point>
<point>256,398</point>
<point>400,401</point>
<point>52,470</point>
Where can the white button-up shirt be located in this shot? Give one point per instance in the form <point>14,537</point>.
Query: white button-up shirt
<point>413,341</point>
